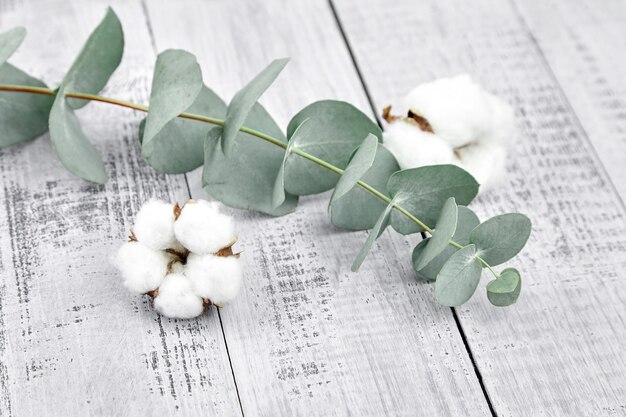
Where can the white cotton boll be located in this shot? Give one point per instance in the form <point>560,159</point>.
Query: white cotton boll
<point>456,108</point>
<point>218,278</point>
<point>414,148</point>
<point>202,229</point>
<point>143,269</point>
<point>485,162</point>
<point>154,225</point>
<point>176,298</point>
<point>502,122</point>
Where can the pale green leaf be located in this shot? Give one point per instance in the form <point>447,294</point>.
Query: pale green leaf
<point>76,153</point>
<point>10,41</point>
<point>358,166</point>
<point>505,290</point>
<point>459,277</point>
<point>246,179</point>
<point>359,209</point>
<point>501,237</point>
<point>95,63</point>
<point>378,229</point>
<point>23,117</point>
<point>179,146</point>
<point>278,195</point>
<point>176,84</point>
<point>337,129</point>
<point>423,191</point>
<point>244,100</point>
<point>467,221</point>
<point>446,225</point>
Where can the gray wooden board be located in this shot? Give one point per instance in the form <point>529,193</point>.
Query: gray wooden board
<point>559,350</point>
<point>73,341</point>
<point>307,336</point>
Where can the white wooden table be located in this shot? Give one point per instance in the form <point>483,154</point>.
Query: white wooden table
<point>307,336</point>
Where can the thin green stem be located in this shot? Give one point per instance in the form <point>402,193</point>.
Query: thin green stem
<point>260,135</point>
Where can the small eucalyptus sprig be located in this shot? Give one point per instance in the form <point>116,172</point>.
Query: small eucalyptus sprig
<point>249,163</point>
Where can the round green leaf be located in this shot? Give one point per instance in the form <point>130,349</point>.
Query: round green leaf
<point>446,225</point>
<point>459,277</point>
<point>336,130</point>
<point>378,229</point>
<point>501,237</point>
<point>359,209</point>
<point>505,290</point>
<point>244,100</point>
<point>23,117</point>
<point>357,167</point>
<point>95,63</point>
<point>278,197</point>
<point>467,221</point>
<point>423,191</point>
<point>10,41</point>
<point>179,146</point>
<point>246,179</point>
<point>176,84</point>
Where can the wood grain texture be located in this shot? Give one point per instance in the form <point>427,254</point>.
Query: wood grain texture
<point>73,341</point>
<point>307,336</point>
<point>559,350</point>
<point>580,41</point>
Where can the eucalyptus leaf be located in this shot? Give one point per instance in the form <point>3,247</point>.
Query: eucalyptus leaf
<point>95,63</point>
<point>244,100</point>
<point>359,209</point>
<point>10,41</point>
<point>176,84</point>
<point>459,277</point>
<point>246,179</point>
<point>501,237</point>
<point>76,153</point>
<point>23,117</point>
<point>179,146</point>
<point>446,225</point>
<point>378,229</point>
<point>423,191</point>
<point>467,221</point>
<point>337,129</point>
<point>357,167</point>
<point>278,196</point>
<point>505,290</point>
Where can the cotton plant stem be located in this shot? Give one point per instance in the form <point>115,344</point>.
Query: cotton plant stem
<point>260,135</point>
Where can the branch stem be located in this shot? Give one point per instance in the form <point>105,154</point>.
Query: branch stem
<point>260,135</point>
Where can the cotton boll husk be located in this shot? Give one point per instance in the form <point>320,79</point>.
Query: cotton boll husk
<point>502,122</point>
<point>457,108</point>
<point>143,269</point>
<point>154,225</point>
<point>484,162</point>
<point>218,278</point>
<point>414,148</point>
<point>176,298</point>
<point>202,229</point>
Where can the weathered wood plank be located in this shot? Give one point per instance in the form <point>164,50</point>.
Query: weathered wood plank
<point>559,351</point>
<point>582,41</point>
<point>72,340</point>
<point>307,336</point>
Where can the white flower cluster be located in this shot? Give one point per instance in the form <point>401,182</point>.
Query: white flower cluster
<point>453,121</point>
<point>182,257</point>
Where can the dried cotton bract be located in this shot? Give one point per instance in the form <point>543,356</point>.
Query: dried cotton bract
<point>182,257</point>
<point>452,121</point>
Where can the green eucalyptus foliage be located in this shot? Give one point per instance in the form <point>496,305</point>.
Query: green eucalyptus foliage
<point>335,130</point>
<point>248,162</point>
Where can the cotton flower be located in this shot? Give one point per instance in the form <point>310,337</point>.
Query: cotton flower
<point>218,278</point>
<point>452,120</point>
<point>183,276</point>
<point>202,229</point>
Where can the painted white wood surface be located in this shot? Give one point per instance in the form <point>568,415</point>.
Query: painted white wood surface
<point>559,350</point>
<point>73,341</point>
<point>307,336</point>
